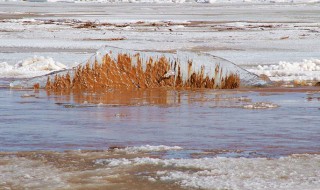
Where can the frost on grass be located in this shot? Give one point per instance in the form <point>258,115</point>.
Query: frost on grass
<point>120,68</point>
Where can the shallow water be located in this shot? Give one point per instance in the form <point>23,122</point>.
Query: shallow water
<point>201,119</point>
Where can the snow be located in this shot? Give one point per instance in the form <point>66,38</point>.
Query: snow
<point>30,67</point>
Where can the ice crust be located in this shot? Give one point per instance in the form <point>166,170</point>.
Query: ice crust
<point>291,172</point>
<point>30,67</point>
<point>199,61</point>
<point>308,69</point>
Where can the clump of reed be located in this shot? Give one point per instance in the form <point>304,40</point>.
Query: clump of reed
<point>123,73</point>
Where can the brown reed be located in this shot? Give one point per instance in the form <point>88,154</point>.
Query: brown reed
<point>124,74</point>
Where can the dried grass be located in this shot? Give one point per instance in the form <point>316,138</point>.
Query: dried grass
<point>125,74</point>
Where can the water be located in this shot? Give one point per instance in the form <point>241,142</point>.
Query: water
<point>200,119</point>
<point>176,139</point>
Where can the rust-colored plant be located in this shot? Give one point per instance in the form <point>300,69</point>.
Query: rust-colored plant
<point>128,72</point>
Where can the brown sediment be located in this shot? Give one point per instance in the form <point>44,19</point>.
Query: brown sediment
<point>128,72</point>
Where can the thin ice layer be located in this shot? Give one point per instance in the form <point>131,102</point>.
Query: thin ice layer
<point>146,69</point>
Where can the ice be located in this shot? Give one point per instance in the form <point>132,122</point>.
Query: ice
<point>308,69</point>
<point>148,148</point>
<point>16,172</point>
<point>30,67</point>
<point>291,172</point>
<point>208,65</point>
<point>261,105</point>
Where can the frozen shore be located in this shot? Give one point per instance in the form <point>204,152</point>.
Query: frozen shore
<point>248,34</point>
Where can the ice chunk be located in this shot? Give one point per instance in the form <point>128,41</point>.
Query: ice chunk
<point>308,69</point>
<point>30,67</point>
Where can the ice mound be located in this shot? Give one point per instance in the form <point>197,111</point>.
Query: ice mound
<point>120,68</point>
<point>286,71</point>
<point>291,172</point>
<point>30,67</point>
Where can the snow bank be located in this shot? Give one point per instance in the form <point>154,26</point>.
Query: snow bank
<point>292,172</point>
<point>30,67</point>
<point>286,71</point>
